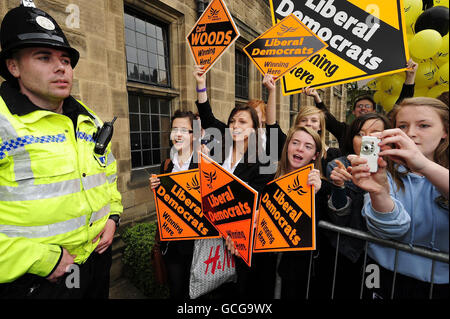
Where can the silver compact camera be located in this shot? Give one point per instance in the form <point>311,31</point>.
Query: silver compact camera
<point>370,151</point>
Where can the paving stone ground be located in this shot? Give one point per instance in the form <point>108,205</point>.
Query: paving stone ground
<point>124,289</point>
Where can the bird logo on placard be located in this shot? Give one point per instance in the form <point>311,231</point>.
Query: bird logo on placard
<point>194,185</point>
<point>214,12</point>
<point>286,29</point>
<point>296,187</point>
<point>210,177</point>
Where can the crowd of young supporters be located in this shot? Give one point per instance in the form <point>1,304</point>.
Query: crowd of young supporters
<point>405,200</point>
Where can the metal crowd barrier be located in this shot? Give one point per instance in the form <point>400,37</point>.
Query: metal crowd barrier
<point>435,256</point>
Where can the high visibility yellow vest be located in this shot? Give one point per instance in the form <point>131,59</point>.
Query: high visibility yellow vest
<point>54,191</point>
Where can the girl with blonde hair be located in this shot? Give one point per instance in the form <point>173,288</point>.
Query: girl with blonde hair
<point>409,203</point>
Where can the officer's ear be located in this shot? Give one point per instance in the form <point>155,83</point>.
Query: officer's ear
<point>13,67</point>
<point>12,63</point>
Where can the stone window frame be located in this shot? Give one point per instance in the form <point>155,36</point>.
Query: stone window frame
<point>150,129</point>
<point>158,52</point>
<point>174,21</point>
<point>245,75</point>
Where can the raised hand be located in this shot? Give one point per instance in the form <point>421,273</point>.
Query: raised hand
<point>313,92</point>
<point>339,175</point>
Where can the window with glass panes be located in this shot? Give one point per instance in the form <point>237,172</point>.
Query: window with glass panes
<point>146,44</point>
<point>241,75</point>
<point>149,130</point>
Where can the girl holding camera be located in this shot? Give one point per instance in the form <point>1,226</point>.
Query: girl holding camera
<point>410,202</point>
<point>345,205</point>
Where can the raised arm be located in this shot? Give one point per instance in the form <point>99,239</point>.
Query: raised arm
<point>200,78</point>
<point>271,112</point>
<point>334,126</point>
<point>273,130</point>
<point>409,85</point>
<point>204,108</point>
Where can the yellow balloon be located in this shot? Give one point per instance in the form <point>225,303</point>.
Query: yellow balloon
<point>426,44</point>
<point>401,75</point>
<point>421,91</point>
<point>443,3</point>
<point>380,81</point>
<point>393,85</point>
<point>413,8</point>
<point>443,50</point>
<point>442,76</point>
<point>437,90</point>
<point>440,61</point>
<point>426,73</point>
<point>379,96</point>
<point>373,85</point>
<point>389,102</point>
<point>410,30</point>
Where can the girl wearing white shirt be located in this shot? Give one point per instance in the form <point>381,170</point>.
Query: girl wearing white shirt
<point>178,255</point>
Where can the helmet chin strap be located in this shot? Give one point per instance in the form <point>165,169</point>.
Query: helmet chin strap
<point>28,3</point>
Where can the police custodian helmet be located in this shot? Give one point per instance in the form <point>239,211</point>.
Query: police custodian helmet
<point>31,27</point>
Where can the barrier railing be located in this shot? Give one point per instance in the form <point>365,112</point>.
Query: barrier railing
<point>433,255</point>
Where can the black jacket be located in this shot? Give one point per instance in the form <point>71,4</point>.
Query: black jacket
<point>348,216</point>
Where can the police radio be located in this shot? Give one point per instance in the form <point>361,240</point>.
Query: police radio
<point>103,137</point>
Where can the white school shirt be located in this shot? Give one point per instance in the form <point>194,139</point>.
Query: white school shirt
<point>176,165</point>
<point>227,163</point>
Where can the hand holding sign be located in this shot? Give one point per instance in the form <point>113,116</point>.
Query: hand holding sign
<point>314,180</point>
<point>230,246</point>
<point>154,181</point>
<point>199,75</point>
<point>269,82</point>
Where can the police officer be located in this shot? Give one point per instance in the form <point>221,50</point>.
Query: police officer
<point>59,203</point>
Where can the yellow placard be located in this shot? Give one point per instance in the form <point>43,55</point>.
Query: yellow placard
<point>283,46</point>
<point>365,39</point>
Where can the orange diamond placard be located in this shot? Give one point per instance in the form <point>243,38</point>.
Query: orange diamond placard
<point>179,208</point>
<point>212,34</point>
<point>229,204</point>
<point>284,46</point>
<point>286,220</point>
